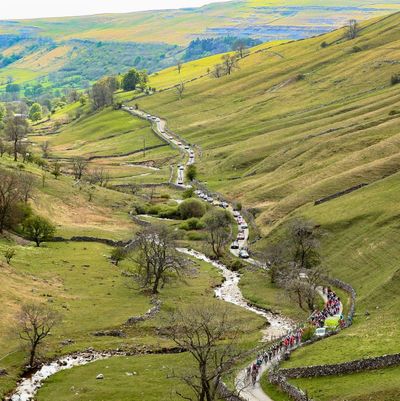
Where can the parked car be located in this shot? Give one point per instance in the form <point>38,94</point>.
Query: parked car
<point>244,226</point>
<point>225,205</point>
<point>210,199</point>
<point>181,168</point>
<point>244,254</point>
<point>236,213</point>
<point>235,245</point>
<point>187,147</point>
<point>171,137</point>
<point>180,181</point>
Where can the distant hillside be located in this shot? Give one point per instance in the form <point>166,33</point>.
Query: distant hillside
<point>74,51</point>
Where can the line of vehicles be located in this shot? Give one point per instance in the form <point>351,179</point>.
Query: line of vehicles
<point>239,245</point>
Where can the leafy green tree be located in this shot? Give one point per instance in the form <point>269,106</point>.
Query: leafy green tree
<point>191,208</point>
<point>219,228</point>
<point>38,229</point>
<point>35,112</point>
<point>118,254</point>
<point>130,80</point>
<point>191,172</point>
<point>3,112</point>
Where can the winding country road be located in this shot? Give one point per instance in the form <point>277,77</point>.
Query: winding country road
<point>229,291</point>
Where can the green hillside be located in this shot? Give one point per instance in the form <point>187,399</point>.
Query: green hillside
<point>294,122</point>
<point>300,121</point>
<point>75,51</point>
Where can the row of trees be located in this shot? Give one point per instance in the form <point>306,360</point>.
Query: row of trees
<point>102,92</point>
<point>295,262</point>
<point>15,191</point>
<point>229,64</point>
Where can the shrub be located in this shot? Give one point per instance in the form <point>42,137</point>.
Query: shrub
<point>192,224</point>
<point>356,49</point>
<point>139,208</point>
<point>164,196</point>
<point>324,44</point>
<point>395,79</point>
<point>394,112</point>
<point>191,208</point>
<point>189,193</point>
<point>118,254</point>
<point>235,265</point>
<point>38,229</point>
<point>168,212</point>
<point>196,236</point>
<point>9,253</point>
<point>308,333</point>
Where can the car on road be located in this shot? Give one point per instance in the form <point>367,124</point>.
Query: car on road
<point>179,143</point>
<point>244,254</point>
<point>180,181</point>
<point>187,147</point>
<point>171,137</point>
<point>181,168</point>
<point>241,236</point>
<point>148,116</point>
<point>131,108</point>
<point>235,245</point>
<point>244,226</point>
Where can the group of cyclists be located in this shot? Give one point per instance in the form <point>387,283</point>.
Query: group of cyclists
<point>294,339</point>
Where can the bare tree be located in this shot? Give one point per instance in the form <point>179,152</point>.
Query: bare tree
<point>45,146</point>
<point>230,63</point>
<point>26,186</point>
<point>34,324</point>
<point>180,88</point>
<point>79,167</point>
<point>210,336</point>
<point>218,71</point>
<point>352,29</point>
<point>56,169</point>
<point>10,195</point>
<point>302,286</point>
<point>241,49</point>
<point>98,176</point>
<point>16,129</point>
<point>179,66</point>
<point>276,259</point>
<point>156,257</point>
<point>219,228</point>
<point>304,238</point>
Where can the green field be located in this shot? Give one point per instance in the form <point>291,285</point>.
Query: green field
<point>300,122</point>
<point>297,121</point>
